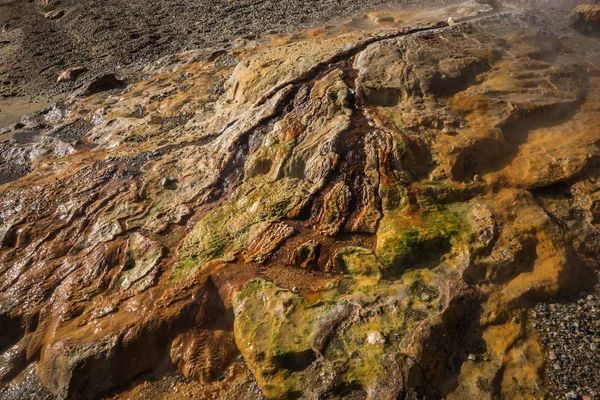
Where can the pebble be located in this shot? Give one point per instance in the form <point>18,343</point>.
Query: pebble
<point>572,395</point>
<point>56,14</point>
<point>557,366</point>
<point>384,19</point>
<point>375,337</point>
<point>164,181</point>
<point>569,336</point>
<point>71,74</point>
<point>112,99</point>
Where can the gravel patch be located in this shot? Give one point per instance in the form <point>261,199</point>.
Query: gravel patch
<point>570,335</point>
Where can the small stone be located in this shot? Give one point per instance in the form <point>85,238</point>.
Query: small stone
<point>164,181</point>
<point>472,357</point>
<point>594,346</point>
<point>556,366</point>
<point>552,356</point>
<point>375,337</point>
<point>425,297</point>
<point>71,74</point>
<point>384,19</point>
<point>449,132</point>
<point>451,21</point>
<point>112,99</point>
<point>56,14</point>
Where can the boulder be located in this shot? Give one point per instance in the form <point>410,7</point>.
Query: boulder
<point>586,19</point>
<point>102,83</point>
<point>71,74</point>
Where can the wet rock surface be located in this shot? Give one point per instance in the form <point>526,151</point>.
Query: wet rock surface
<point>382,208</point>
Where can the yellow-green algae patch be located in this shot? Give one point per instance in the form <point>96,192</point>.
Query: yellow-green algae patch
<point>407,240</point>
<point>346,329</point>
<point>355,261</point>
<point>233,225</point>
<point>274,331</point>
<point>281,334</point>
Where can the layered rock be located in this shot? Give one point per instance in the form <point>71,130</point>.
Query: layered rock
<point>346,212</point>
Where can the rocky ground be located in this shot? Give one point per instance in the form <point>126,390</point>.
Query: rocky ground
<point>39,39</point>
<point>401,205</point>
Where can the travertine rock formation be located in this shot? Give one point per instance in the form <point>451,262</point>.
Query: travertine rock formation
<point>364,211</point>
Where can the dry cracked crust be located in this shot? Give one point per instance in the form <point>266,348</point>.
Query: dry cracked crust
<point>364,211</point>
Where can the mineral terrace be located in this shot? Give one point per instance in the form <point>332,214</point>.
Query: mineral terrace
<point>382,208</point>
